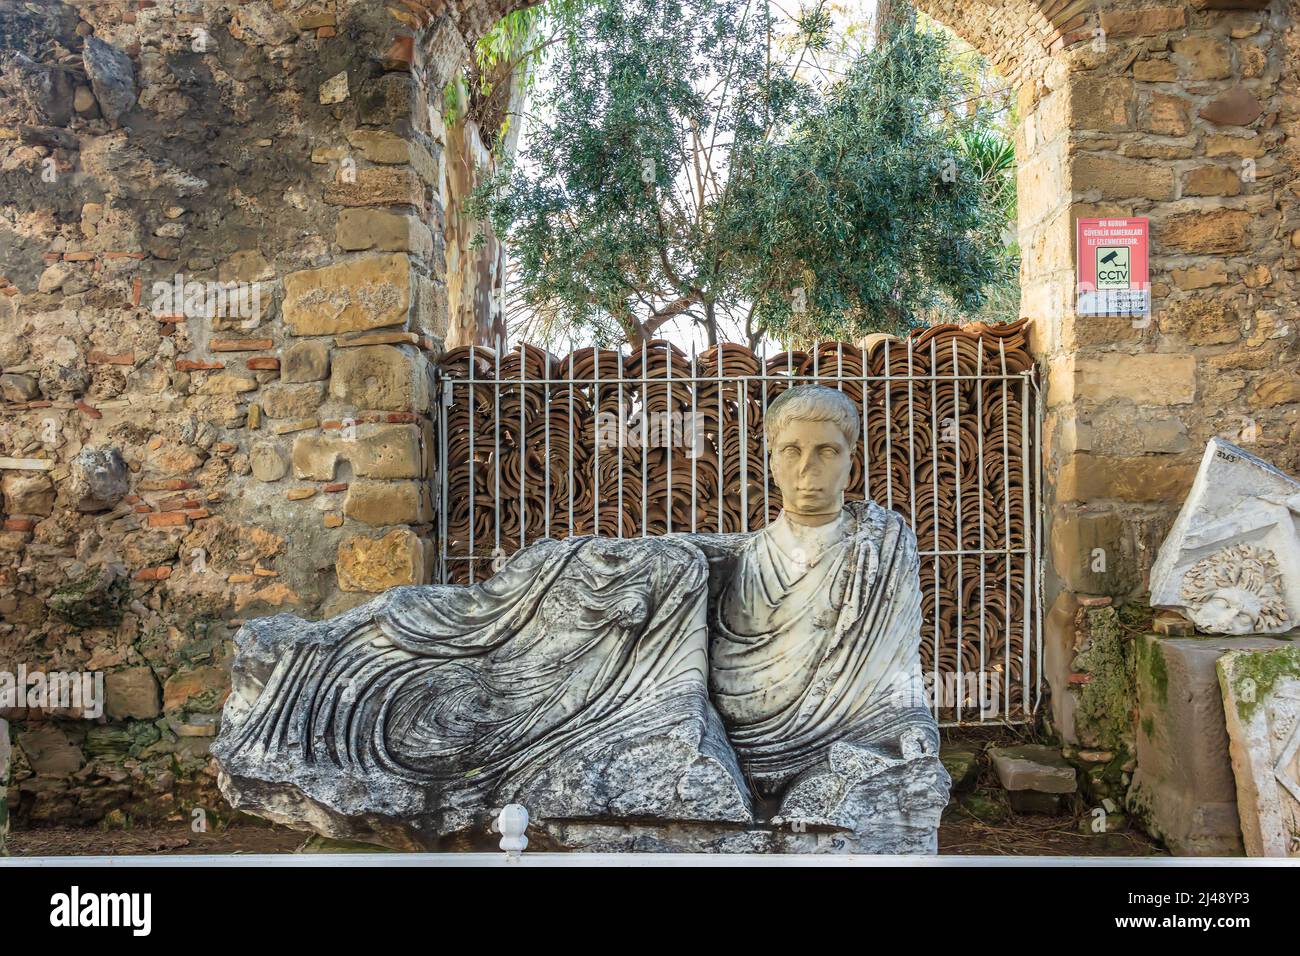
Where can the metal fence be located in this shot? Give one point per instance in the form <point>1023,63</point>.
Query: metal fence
<point>654,441</point>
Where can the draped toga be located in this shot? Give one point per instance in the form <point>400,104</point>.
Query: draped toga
<point>585,679</point>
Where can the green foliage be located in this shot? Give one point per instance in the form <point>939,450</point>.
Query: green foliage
<point>684,166</point>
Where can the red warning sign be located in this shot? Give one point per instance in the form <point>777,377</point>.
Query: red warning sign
<point>1113,273</point>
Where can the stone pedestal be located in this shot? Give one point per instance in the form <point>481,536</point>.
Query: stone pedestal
<point>1183,790</point>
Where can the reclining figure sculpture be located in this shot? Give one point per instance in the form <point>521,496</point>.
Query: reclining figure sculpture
<point>708,692</point>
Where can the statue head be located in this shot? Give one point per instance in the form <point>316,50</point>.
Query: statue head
<point>811,431</point>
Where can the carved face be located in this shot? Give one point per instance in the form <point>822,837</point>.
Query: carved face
<point>811,462</point>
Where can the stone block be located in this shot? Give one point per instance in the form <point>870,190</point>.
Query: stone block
<point>50,751</point>
<point>131,693</point>
<point>377,564</point>
<point>1211,181</point>
<point>1148,478</point>
<point>1103,104</point>
<point>1200,321</point>
<point>381,452</point>
<point>1183,789</point>
<point>201,689</point>
<point>352,296</point>
<point>1146,22</point>
<point>1203,57</point>
<point>1121,179</point>
<point>1165,115</point>
<point>1033,767</point>
<point>27,493</point>
<point>1208,232</point>
<point>362,228</point>
<point>1150,378</point>
<point>382,377</point>
<point>378,186</point>
<point>1237,107</point>
<point>1092,554</point>
<point>291,401</point>
<point>306,361</point>
<point>388,502</point>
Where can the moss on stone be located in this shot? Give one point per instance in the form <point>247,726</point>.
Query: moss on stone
<point>97,600</point>
<point>1106,702</point>
<point>1152,668</point>
<point>1263,669</point>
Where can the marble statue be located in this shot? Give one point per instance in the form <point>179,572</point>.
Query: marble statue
<point>1231,562</point>
<point>708,692</point>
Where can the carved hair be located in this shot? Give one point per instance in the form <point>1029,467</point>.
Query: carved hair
<point>812,403</point>
<point>1235,575</point>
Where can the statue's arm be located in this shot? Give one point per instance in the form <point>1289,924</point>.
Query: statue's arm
<point>722,552</point>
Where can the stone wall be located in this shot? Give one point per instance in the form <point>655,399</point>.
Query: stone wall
<point>1186,114</point>
<point>167,471</point>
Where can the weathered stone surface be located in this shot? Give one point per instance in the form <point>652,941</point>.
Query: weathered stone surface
<point>377,564</point>
<point>1213,232</point>
<point>1166,115</point>
<point>131,693</point>
<point>100,478</point>
<point>378,186</point>
<point>1151,378</point>
<point>1237,107</point>
<point>50,751</point>
<point>1148,21</point>
<point>18,388</point>
<point>1087,477</point>
<point>1117,178</point>
<point>388,502</point>
<point>291,401</point>
<point>390,451</point>
<point>27,493</point>
<point>383,377</point>
<point>360,229</point>
<point>351,296</point>
<point>1033,767</point>
<point>1183,789</point>
<point>197,688</point>
<point>1261,699</point>
<point>1231,562</point>
<point>111,76</point>
<point>1102,104</point>
<point>267,462</point>
<point>1202,57</point>
<point>1211,181</point>
<point>1090,555</point>
<point>1201,321</point>
<point>306,361</point>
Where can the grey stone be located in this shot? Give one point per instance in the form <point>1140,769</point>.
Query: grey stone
<point>1183,788</point>
<point>100,478</point>
<point>1033,767</point>
<point>112,77</point>
<point>962,764</point>
<point>18,388</point>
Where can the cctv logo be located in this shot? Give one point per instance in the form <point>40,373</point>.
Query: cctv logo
<point>103,909</point>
